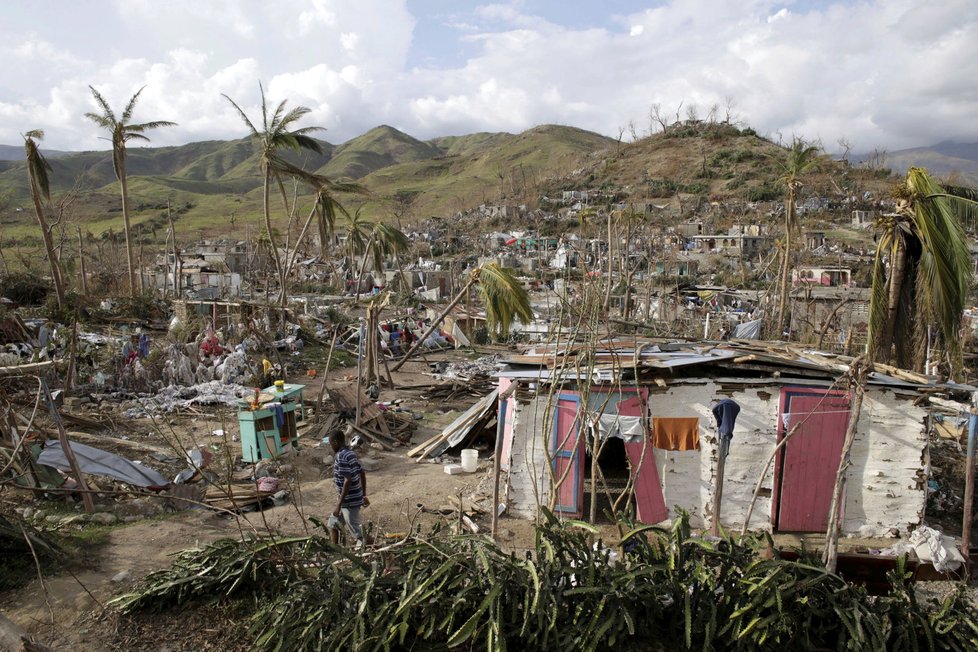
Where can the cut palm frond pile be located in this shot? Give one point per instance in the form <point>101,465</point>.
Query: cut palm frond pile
<point>664,589</point>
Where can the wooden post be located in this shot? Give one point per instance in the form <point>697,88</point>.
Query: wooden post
<point>72,354</point>
<point>359,374</point>
<point>718,487</point>
<point>66,447</point>
<point>969,489</point>
<point>322,388</point>
<point>859,371</point>
<point>497,460</point>
<point>81,261</point>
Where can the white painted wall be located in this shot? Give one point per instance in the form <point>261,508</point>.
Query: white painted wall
<point>886,486</point>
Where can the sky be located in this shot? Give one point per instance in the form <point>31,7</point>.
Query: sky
<point>877,73</point>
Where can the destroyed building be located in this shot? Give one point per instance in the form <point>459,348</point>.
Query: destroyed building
<point>653,405</point>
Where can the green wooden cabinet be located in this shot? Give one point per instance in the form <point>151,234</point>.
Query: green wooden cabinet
<point>268,432</point>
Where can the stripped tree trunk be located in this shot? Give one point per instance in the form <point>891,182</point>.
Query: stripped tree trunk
<point>859,371</point>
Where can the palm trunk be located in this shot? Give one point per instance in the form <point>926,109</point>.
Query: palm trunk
<point>363,267</point>
<point>611,267</point>
<point>898,268</point>
<point>268,222</point>
<point>789,216</point>
<point>438,320</point>
<point>59,287</point>
<point>127,224</point>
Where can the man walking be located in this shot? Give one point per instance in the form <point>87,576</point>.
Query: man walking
<point>351,484</point>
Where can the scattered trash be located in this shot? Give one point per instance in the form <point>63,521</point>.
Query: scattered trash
<point>98,462</point>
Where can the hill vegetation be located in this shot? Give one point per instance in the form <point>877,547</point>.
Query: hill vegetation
<point>217,187</point>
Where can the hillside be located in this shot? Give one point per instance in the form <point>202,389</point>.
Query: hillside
<point>218,182</point>
<point>16,152</point>
<point>958,161</point>
<point>379,148</point>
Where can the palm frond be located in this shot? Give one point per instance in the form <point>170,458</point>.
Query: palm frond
<point>146,126</point>
<point>946,261</point>
<point>106,109</point>
<point>102,121</point>
<point>127,113</point>
<point>244,116</point>
<point>504,298</point>
<point>963,192</point>
<point>37,166</point>
<point>878,302</point>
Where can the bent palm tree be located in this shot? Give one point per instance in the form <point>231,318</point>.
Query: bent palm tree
<point>37,177</point>
<point>324,210</point>
<point>929,270</point>
<point>502,295</point>
<point>278,133</point>
<point>375,242</point>
<point>801,159</point>
<point>122,131</point>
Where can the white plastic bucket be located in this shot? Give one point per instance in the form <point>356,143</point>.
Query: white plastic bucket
<point>470,460</point>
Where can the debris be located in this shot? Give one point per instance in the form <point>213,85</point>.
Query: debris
<point>104,518</point>
<point>453,469</point>
<point>179,397</point>
<point>121,576</point>
<point>98,462</point>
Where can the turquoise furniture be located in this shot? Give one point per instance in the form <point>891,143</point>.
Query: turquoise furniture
<point>261,436</point>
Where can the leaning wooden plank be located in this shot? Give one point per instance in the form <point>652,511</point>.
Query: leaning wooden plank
<point>423,445</point>
<point>466,419</point>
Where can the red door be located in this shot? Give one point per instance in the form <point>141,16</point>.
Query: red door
<point>650,505</point>
<point>805,475</point>
<point>568,456</point>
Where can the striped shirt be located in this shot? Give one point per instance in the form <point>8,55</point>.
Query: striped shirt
<point>346,465</point>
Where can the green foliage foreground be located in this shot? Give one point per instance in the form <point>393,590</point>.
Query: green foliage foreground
<point>666,590</point>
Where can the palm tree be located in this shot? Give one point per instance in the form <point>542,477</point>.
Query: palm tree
<point>502,295</point>
<point>37,177</point>
<point>122,131</point>
<point>373,241</point>
<point>801,159</point>
<point>325,207</point>
<point>929,271</point>
<point>277,133</point>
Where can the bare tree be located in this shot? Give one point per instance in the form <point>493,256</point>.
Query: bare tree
<point>845,147</point>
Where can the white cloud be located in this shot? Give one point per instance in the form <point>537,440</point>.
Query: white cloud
<point>890,72</point>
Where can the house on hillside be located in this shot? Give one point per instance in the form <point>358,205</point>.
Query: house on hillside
<point>650,404</point>
<point>824,276</point>
<point>863,219</point>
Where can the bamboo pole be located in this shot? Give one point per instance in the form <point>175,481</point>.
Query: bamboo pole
<point>322,388</point>
<point>718,486</point>
<point>81,261</point>
<point>969,489</point>
<point>66,447</point>
<point>858,374</point>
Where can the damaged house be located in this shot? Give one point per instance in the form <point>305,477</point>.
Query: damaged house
<point>650,404</point>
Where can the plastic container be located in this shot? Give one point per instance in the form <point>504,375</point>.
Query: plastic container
<point>470,460</point>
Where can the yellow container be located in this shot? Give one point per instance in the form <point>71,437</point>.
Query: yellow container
<point>279,385</point>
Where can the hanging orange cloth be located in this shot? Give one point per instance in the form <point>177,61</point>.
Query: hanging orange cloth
<point>676,434</point>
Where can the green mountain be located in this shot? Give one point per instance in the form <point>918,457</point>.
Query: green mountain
<point>957,162</point>
<point>217,185</point>
<point>379,148</point>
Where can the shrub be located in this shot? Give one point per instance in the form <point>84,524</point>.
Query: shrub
<point>25,289</point>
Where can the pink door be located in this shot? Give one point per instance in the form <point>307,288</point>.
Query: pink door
<point>805,475</point>
<point>650,505</point>
<point>568,456</point>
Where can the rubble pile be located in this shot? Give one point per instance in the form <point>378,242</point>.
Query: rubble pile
<point>176,397</point>
<point>469,369</point>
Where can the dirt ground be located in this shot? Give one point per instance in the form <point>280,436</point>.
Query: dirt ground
<point>67,610</point>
